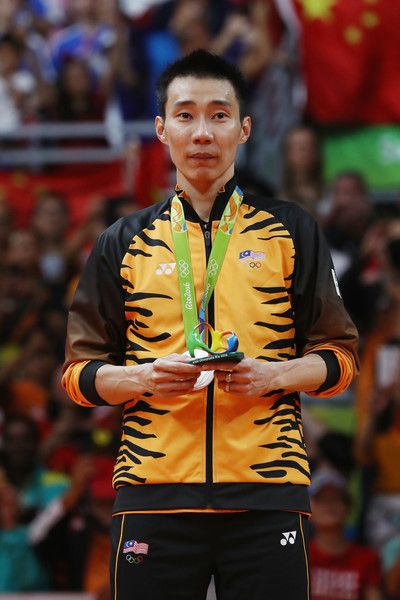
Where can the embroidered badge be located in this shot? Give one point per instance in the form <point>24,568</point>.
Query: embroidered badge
<point>132,548</point>
<point>252,259</point>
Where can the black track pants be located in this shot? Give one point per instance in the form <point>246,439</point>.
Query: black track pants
<point>255,555</point>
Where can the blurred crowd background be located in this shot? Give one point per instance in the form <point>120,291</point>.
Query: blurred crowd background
<point>77,152</point>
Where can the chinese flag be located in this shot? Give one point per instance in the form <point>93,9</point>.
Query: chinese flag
<point>351,60</point>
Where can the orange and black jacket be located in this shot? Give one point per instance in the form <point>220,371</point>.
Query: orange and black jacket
<point>277,290</point>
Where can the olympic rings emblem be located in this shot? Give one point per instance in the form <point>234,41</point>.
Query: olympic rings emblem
<point>136,560</point>
<point>254,265</point>
<point>213,267</point>
<point>183,268</point>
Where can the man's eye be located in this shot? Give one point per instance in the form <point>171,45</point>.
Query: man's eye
<point>184,115</point>
<point>220,115</point>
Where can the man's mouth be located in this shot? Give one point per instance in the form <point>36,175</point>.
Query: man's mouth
<point>202,156</point>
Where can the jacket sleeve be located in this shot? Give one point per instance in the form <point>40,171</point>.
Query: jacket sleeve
<point>322,323</point>
<point>96,324</point>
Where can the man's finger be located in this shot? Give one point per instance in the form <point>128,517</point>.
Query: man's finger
<point>176,367</point>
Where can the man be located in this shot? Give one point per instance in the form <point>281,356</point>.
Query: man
<point>211,476</point>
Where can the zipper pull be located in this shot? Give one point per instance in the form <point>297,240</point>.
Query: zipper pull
<point>207,234</point>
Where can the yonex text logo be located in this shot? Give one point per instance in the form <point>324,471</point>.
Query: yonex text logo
<point>165,268</point>
<point>289,537</point>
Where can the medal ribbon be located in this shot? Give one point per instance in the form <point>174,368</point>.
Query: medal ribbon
<point>191,319</point>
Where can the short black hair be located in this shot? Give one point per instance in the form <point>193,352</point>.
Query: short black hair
<point>202,64</point>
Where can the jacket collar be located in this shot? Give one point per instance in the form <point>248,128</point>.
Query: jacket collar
<point>218,207</point>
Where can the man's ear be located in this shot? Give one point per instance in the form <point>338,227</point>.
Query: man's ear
<point>246,129</point>
<point>160,130</point>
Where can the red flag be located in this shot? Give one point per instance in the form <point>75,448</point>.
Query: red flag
<point>351,59</point>
<point>81,184</point>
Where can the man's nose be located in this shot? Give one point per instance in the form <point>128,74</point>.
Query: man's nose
<point>202,132</point>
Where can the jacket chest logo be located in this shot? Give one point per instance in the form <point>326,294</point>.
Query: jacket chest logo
<point>252,259</point>
<point>165,268</point>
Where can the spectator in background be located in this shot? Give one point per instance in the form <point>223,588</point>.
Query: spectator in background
<point>15,550</point>
<point>302,176</point>
<point>190,25</point>
<point>56,528</point>
<point>8,12</point>
<point>18,87</point>
<point>244,39</point>
<point>49,222</point>
<point>378,415</point>
<point>80,544</point>
<point>348,217</point>
<point>22,251</point>
<point>75,429</point>
<point>24,381</point>
<point>277,90</point>
<point>85,38</point>
<point>27,490</point>
<point>363,285</point>
<point>340,569</point>
<point>77,98</point>
<point>125,86</point>
<point>22,295</point>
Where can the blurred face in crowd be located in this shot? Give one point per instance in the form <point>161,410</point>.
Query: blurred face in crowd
<point>202,128</point>
<point>50,218</point>
<point>82,9</point>
<point>7,10</point>
<point>22,249</point>
<point>301,149</point>
<point>329,508</point>
<point>20,445</point>
<point>76,78</point>
<point>107,11</point>
<point>349,202</point>
<point>9,58</point>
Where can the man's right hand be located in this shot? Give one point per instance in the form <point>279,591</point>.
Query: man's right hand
<point>169,376</point>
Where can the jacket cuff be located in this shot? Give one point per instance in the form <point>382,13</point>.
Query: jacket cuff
<point>87,382</point>
<point>332,367</point>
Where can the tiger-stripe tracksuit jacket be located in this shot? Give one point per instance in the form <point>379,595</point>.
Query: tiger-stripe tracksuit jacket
<point>277,290</point>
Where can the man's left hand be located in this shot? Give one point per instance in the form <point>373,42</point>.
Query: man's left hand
<point>249,377</point>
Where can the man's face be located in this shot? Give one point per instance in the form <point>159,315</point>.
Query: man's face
<point>202,128</point>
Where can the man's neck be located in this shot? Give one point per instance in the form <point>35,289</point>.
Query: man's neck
<point>202,195</point>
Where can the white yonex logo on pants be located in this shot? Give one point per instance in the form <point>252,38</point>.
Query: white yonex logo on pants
<point>288,537</point>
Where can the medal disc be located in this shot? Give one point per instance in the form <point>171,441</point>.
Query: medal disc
<point>205,377</point>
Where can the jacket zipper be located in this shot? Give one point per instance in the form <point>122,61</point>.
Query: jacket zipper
<point>206,228</point>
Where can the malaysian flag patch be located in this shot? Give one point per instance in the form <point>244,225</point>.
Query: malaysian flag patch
<point>251,255</point>
<point>135,547</point>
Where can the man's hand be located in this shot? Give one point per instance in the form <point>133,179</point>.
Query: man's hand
<point>169,376</point>
<point>249,377</point>
<point>172,375</point>
<point>255,377</point>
